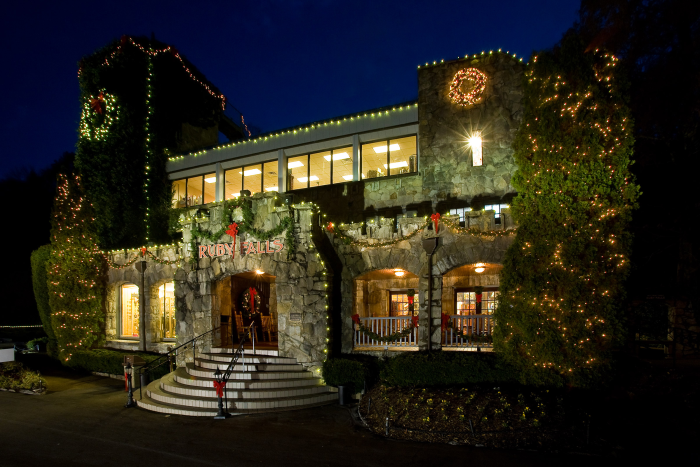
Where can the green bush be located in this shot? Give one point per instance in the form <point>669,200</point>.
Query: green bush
<point>14,376</point>
<point>39,258</point>
<point>344,371</point>
<point>110,361</point>
<point>39,340</point>
<point>449,368</point>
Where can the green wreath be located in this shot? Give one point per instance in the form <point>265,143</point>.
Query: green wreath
<point>250,310</point>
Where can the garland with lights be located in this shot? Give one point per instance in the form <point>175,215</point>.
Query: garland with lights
<point>563,276</point>
<point>398,335</point>
<point>476,77</point>
<point>476,231</point>
<point>348,240</point>
<point>76,271</point>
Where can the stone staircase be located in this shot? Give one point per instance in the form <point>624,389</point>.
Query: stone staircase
<point>266,383</point>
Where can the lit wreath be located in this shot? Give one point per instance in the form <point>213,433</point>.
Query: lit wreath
<point>249,310</point>
<point>473,96</point>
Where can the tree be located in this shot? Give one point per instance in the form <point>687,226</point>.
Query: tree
<point>76,271</point>
<point>564,272</point>
<point>39,258</point>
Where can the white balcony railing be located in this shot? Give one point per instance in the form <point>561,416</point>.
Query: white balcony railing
<point>383,327</point>
<point>469,331</point>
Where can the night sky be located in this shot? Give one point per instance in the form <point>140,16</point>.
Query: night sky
<point>282,63</point>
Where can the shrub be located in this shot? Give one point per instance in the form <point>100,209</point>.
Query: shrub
<point>39,258</point>
<point>449,368</point>
<point>41,341</point>
<point>110,361</point>
<point>14,376</point>
<point>343,371</point>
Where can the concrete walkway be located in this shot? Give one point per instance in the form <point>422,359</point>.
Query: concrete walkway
<point>82,421</point>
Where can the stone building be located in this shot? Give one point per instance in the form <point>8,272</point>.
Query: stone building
<point>380,231</point>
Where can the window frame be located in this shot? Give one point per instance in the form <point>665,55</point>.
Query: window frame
<point>393,292</point>
<point>307,155</point>
<point>472,289</point>
<point>120,308</point>
<point>388,155</point>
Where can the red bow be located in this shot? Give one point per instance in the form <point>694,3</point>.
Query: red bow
<point>410,299</point>
<point>219,386</point>
<point>415,321</point>
<point>97,103</point>
<point>478,298</point>
<point>143,251</point>
<point>445,320</point>
<point>253,293</point>
<point>126,382</point>
<point>233,231</point>
<point>435,217</point>
<point>356,318</point>
<point>329,227</point>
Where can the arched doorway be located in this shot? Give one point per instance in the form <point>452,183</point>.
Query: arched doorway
<point>242,299</point>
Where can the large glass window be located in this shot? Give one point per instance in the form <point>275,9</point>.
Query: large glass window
<point>270,179</point>
<point>233,183</point>
<point>389,157</point>
<point>195,190</point>
<point>467,302</point>
<point>180,193</point>
<point>497,208</point>
<point>209,188</point>
<point>297,172</point>
<point>129,308</point>
<point>399,304</point>
<point>342,164</point>
<point>166,303</point>
<point>320,169</point>
<point>252,178</point>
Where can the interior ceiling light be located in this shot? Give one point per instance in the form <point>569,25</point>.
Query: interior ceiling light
<point>251,172</point>
<point>210,180</point>
<point>479,268</point>
<point>347,177</point>
<point>338,156</point>
<point>258,272</point>
<point>397,165</point>
<point>295,164</point>
<point>235,195</point>
<point>379,149</point>
<point>272,188</point>
<point>313,178</point>
<point>399,272</point>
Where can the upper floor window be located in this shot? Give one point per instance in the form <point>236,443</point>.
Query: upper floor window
<point>194,191</point>
<point>320,168</point>
<point>254,178</point>
<point>389,157</point>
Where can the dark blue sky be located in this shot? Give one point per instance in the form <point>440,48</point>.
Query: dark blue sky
<point>282,63</point>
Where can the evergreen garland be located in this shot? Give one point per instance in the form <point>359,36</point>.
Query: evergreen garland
<point>563,276</point>
<point>76,271</point>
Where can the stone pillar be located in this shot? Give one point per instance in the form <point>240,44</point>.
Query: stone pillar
<point>356,176</point>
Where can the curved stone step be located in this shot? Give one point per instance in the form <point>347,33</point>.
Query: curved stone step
<point>170,384</point>
<point>254,358</point>
<point>235,405</point>
<point>249,366</point>
<point>250,375</point>
<point>183,377</point>
<point>270,353</point>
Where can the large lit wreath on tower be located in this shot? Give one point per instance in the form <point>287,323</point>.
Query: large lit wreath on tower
<point>478,81</point>
<point>250,302</point>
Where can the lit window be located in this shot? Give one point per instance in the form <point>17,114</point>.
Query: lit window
<point>129,309</point>
<point>233,183</point>
<point>399,304</point>
<point>497,208</point>
<point>270,179</point>
<point>166,302</point>
<point>476,146</point>
<point>460,212</point>
<point>209,188</point>
<point>252,178</point>
<point>342,165</point>
<point>320,169</point>
<point>195,191</point>
<point>297,168</point>
<point>466,302</point>
<point>392,157</point>
<point>180,193</point>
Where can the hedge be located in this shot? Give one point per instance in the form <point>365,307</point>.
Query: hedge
<point>110,361</point>
<point>344,371</point>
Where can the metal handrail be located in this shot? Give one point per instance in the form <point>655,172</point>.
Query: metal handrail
<point>148,368</point>
<point>234,358</point>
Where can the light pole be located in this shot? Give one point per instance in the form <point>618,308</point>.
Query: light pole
<point>220,386</point>
<point>130,392</point>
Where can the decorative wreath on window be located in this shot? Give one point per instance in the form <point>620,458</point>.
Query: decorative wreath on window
<point>250,302</point>
<point>472,97</point>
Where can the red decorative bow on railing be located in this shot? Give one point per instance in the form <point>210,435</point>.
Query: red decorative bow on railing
<point>329,228</point>
<point>233,231</point>
<point>415,320</point>
<point>356,318</point>
<point>435,218</point>
<point>445,321</point>
<point>219,386</point>
<point>143,251</point>
<point>98,102</point>
<point>478,298</point>
<point>410,299</point>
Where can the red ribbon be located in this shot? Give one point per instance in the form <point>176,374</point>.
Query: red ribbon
<point>410,299</point>
<point>126,383</point>
<point>143,251</point>
<point>329,227</point>
<point>415,320</point>
<point>97,102</point>
<point>356,318</point>
<point>435,217</point>
<point>219,386</point>
<point>253,293</point>
<point>445,320</point>
<point>233,231</point>
<point>478,298</point>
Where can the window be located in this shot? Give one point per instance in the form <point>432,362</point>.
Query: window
<point>460,212</point>
<point>270,179</point>
<point>129,309</point>
<point>342,165</point>
<point>252,178</point>
<point>398,304</point>
<point>209,188</point>
<point>466,302</point>
<point>233,183</point>
<point>389,157</point>
<point>180,193</point>
<point>297,172</point>
<point>497,208</point>
<point>166,303</point>
<point>195,190</point>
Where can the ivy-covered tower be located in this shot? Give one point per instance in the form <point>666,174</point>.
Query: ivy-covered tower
<point>141,100</point>
<point>563,276</point>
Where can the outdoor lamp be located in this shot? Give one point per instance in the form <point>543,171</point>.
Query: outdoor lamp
<point>479,268</point>
<point>477,153</point>
<point>128,372</point>
<point>219,386</point>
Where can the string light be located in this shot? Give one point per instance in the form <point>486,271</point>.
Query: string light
<point>478,80</point>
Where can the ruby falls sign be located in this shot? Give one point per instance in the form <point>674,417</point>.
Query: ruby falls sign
<point>246,248</point>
